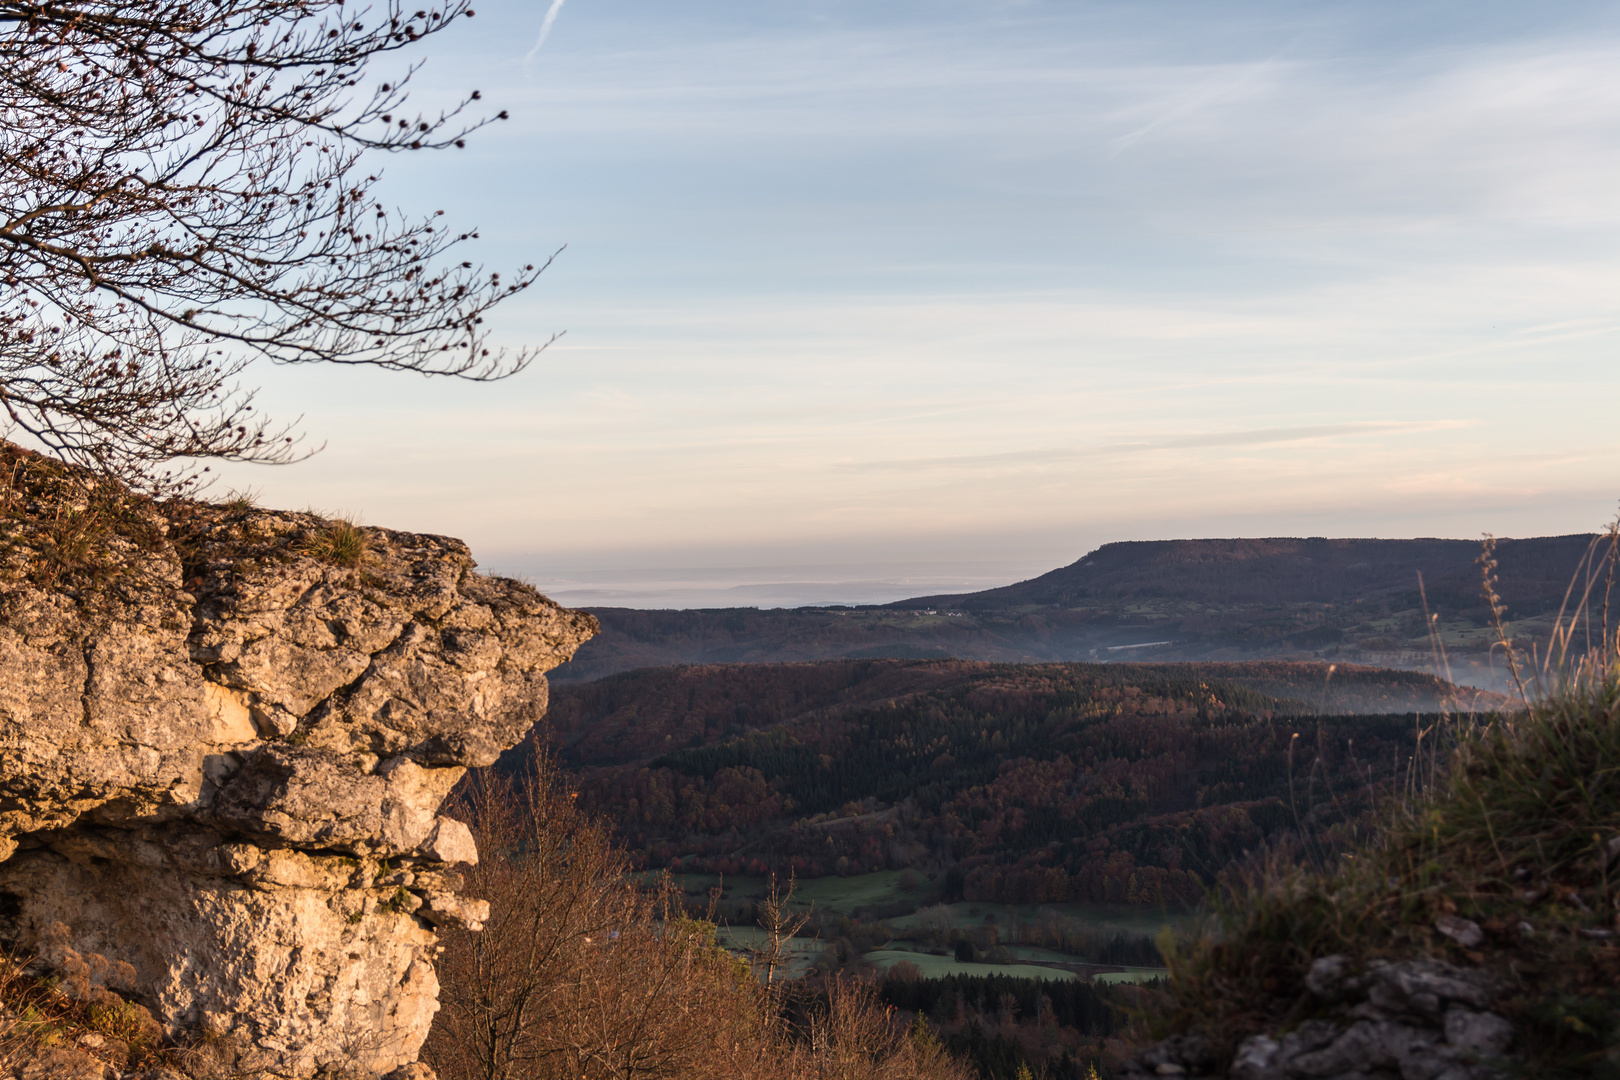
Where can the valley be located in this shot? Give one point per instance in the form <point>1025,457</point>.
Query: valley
<point>967,834</point>
<point>993,805</point>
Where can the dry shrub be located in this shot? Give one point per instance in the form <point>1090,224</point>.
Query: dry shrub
<point>63,527</point>
<point>43,1016</point>
<point>576,972</point>
<point>851,1035</point>
<point>581,972</point>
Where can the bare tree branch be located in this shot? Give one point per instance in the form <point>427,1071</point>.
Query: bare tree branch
<point>181,194</point>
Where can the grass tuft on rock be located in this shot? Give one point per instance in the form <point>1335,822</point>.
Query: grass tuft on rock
<point>341,543</point>
<point>1502,855</point>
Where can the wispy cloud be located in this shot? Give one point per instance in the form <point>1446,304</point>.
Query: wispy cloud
<point>1208,440</point>
<point>1228,87</point>
<point>545,30</point>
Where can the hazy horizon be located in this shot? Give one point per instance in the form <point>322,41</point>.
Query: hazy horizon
<point>990,284</point>
<point>763,586</point>
<point>786,586</point>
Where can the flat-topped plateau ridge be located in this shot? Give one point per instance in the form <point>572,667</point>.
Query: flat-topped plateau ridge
<point>1340,600</point>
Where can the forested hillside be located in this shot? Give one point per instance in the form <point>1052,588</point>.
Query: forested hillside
<point>1116,783</point>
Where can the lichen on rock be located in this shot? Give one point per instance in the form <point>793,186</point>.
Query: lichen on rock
<point>223,765</point>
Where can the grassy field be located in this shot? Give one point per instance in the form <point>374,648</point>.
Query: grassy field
<point>935,967</point>
<point>1127,920</point>
<point>1132,975</point>
<point>802,952</point>
<point>842,894</point>
<point>697,886</point>
<point>1030,952</point>
<point>849,894</point>
<point>882,889</point>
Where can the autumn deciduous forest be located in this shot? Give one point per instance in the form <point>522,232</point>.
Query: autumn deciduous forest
<point>1021,784</point>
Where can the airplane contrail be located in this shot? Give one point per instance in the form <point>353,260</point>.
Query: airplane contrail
<point>545,29</point>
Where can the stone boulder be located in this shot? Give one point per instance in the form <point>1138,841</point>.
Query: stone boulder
<point>223,766</point>
<point>1416,1019</point>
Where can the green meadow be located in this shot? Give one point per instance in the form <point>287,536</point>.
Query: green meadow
<point>936,967</point>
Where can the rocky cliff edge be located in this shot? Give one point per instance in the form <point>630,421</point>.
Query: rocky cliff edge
<point>222,757</point>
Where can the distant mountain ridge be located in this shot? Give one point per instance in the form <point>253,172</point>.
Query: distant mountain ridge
<point>1342,600</point>
<point>1534,573</point>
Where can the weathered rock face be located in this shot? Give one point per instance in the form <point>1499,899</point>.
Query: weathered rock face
<point>225,769</point>
<point>1390,1019</point>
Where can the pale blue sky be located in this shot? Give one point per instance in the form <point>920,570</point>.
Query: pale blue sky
<point>955,291</point>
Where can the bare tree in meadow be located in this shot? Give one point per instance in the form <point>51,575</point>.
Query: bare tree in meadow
<point>780,925</point>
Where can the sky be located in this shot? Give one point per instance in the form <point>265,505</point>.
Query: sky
<point>866,300</point>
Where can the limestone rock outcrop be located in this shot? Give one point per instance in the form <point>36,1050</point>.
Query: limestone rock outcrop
<point>223,765</point>
<point>1388,1019</point>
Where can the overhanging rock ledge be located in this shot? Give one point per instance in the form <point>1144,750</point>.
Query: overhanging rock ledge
<point>224,767</point>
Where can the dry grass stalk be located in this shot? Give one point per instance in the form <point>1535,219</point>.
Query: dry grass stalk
<point>50,1013</point>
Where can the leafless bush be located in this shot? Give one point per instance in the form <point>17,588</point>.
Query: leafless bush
<point>581,972</point>
<point>577,972</point>
<point>853,1036</point>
